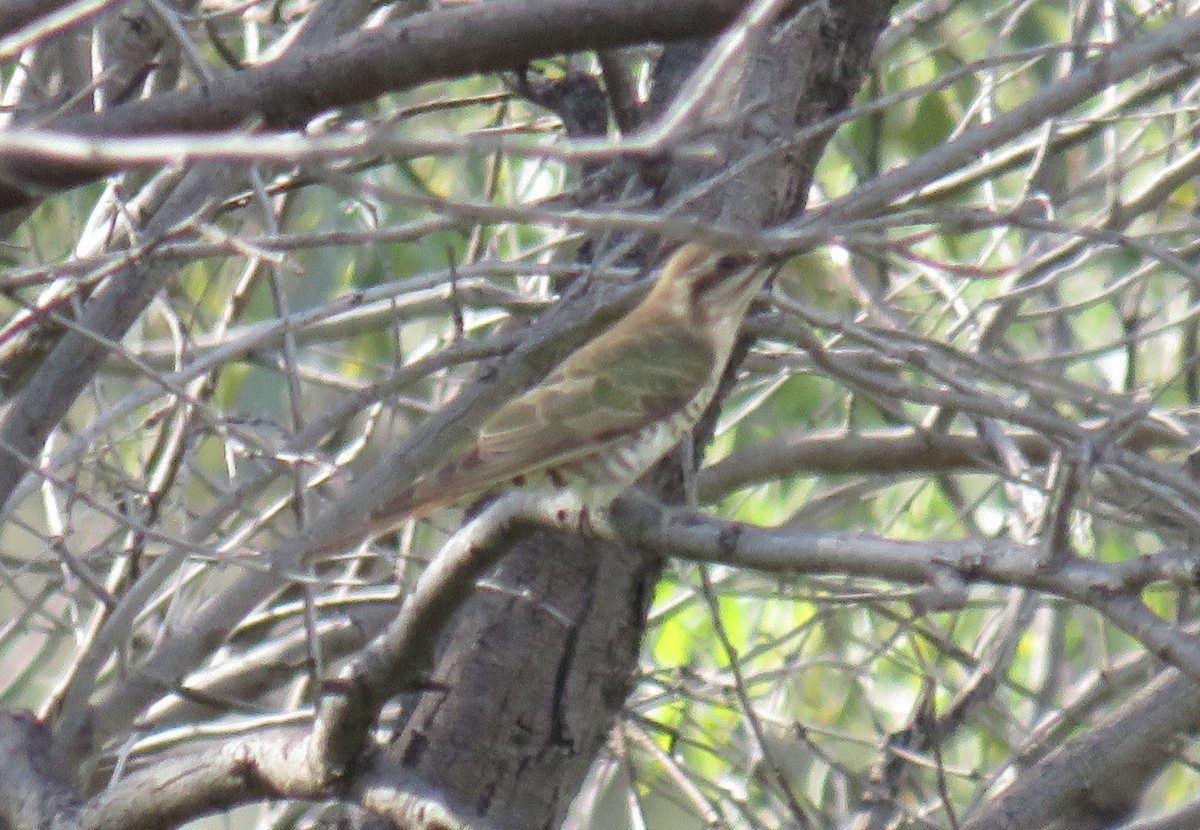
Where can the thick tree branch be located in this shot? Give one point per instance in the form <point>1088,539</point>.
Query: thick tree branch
<point>459,40</point>
<point>259,765</point>
<point>1112,588</point>
<point>892,451</point>
<point>1095,778</point>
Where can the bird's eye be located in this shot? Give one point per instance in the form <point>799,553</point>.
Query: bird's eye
<point>732,262</point>
<point>720,269</point>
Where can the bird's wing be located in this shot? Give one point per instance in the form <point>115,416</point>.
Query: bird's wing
<point>608,390</point>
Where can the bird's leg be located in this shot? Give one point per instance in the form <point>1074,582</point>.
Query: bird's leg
<point>595,522</point>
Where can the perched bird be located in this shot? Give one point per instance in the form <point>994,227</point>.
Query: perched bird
<point>612,408</point>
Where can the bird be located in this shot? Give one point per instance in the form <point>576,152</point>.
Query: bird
<point>612,408</point>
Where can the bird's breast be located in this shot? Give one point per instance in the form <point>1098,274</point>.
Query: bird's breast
<point>613,469</point>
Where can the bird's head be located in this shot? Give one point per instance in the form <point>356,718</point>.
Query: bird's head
<point>707,285</point>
